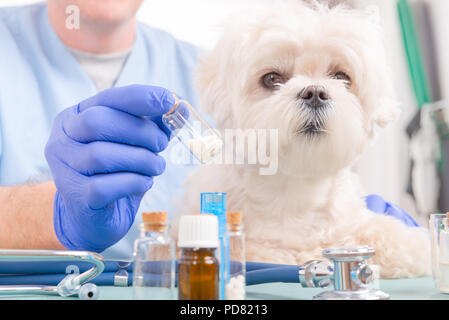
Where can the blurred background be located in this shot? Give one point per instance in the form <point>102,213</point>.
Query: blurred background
<point>386,168</point>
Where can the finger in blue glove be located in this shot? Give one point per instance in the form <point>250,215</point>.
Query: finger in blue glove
<point>103,154</point>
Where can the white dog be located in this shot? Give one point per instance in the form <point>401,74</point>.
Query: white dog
<point>319,77</point>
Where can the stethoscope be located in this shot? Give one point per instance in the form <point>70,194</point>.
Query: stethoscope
<point>72,284</point>
<point>70,273</point>
<point>345,268</point>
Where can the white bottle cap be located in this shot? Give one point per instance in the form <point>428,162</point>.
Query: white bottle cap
<point>198,231</point>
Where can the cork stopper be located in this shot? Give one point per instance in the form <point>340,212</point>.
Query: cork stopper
<point>234,217</point>
<point>154,221</point>
<point>234,221</point>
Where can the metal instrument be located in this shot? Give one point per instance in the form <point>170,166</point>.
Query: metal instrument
<point>347,271</point>
<point>72,284</point>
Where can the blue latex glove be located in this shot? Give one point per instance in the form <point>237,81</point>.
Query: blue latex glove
<point>377,204</point>
<point>103,154</point>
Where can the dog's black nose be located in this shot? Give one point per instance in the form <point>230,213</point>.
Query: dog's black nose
<point>314,96</point>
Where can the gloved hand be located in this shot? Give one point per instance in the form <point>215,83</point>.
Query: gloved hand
<point>377,204</point>
<point>103,154</point>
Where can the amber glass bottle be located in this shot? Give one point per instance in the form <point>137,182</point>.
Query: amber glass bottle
<point>198,267</point>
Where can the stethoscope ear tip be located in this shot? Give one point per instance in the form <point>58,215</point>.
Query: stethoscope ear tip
<point>88,291</point>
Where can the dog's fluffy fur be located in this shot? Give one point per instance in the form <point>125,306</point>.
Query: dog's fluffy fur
<point>314,201</point>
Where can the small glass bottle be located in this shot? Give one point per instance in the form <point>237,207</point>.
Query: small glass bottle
<point>443,272</point>
<point>193,131</point>
<point>235,284</point>
<point>198,267</point>
<point>154,259</point>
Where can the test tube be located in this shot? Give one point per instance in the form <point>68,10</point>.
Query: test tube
<point>215,203</point>
<point>192,130</point>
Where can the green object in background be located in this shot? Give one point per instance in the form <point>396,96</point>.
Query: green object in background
<point>415,64</point>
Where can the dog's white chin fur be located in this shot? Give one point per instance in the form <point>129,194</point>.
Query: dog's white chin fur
<point>313,201</point>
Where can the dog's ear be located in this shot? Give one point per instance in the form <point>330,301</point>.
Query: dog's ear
<point>387,112</point>
<point>379,92</point>
<point>211,84</point>
<point>383,95</point>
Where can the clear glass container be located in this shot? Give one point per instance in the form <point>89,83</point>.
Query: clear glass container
<point>436,225</point>
<point>236,281</point>
<point>154,260</point>
<point>184,122</point>
<point>442,268</point>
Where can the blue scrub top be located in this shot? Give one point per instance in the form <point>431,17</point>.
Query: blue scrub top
<point>39,77</point>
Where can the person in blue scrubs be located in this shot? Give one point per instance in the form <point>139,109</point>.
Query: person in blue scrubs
<point>82,147</point>
<point>49,70</point>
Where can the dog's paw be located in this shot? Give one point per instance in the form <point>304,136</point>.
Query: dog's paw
<point>401,251</point>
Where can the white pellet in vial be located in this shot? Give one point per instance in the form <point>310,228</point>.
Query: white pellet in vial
<point>235,288</point>
<point>193,131</point>
<point>205,148</point>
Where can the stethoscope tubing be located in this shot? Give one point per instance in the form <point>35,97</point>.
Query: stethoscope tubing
<point>38,273</point>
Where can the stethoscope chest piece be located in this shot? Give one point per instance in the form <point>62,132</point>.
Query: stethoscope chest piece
<point>351,275</point>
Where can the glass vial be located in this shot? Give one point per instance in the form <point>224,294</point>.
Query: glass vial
<point>154,259</point>
<point>436,225</point>
<point>443,268</point>
<point>193,131</point>
<point>235,284</point>
<point>215,203</point>
<point>198,267</point>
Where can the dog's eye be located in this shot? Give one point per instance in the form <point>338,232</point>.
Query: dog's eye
<point>272,80</point>
<point>340,75</point>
